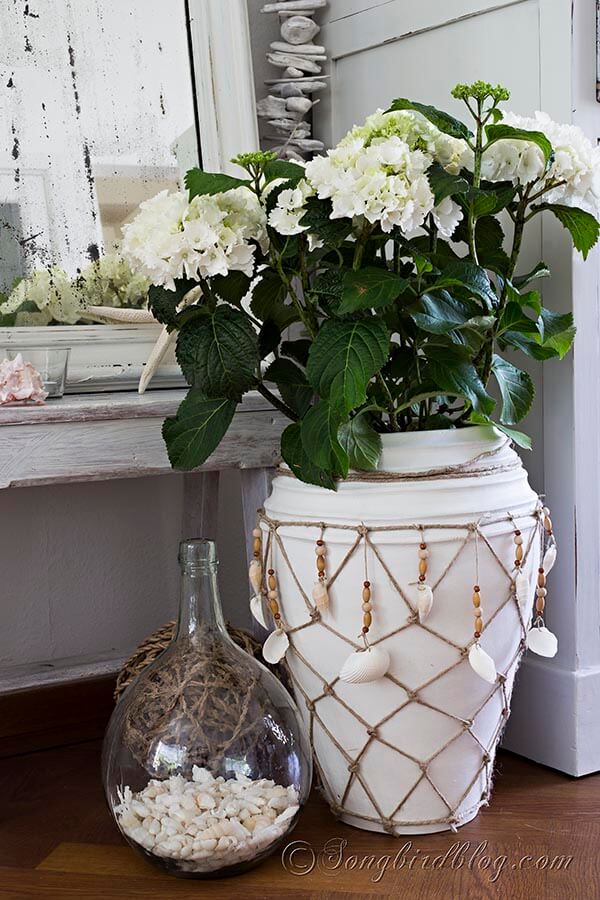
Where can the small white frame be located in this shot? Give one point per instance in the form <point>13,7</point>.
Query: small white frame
<point>112,357</point>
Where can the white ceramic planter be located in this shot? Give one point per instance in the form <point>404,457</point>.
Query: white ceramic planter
<point>412,752</point>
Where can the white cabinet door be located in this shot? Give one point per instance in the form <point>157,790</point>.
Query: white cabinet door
<point>382,49</point>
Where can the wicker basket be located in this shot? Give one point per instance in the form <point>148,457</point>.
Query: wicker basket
<point>154,645</point>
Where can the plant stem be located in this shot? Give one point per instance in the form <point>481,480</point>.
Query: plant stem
<point>276,402</point>
<point>361,243</point>
<point>512,265</point>
<point>306,316</point>
<point>478,153</point>
<point>391,409</point>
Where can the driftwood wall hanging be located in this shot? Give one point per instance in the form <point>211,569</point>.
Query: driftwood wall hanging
<point>299,64</point>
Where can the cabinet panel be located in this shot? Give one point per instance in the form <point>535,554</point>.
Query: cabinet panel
<point>425,65</point>
<point>359,23</point>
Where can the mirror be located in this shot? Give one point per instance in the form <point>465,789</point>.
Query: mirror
<point>97,115</point>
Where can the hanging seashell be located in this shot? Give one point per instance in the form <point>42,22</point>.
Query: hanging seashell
<point>275,646</point>
<point>320,595</point>
<point>542,641</point>
<point>424,601</point>
<point>258,611</point>
<point>549,558</point>
<point>255,575</point>
<point>522,589</point>
<point>365,665</point>
<point>482,663</point>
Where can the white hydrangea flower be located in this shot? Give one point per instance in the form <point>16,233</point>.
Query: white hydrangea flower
<point>446,216</point>
<point>383,181</point>
<point>172,238</point>
<point>109,281</point>
<point>152,243</point>
<point>52,292</point>
<point>289,209</point>
<point>416,131</point>
<point>576,162</point>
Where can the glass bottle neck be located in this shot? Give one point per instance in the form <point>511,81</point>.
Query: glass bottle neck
<point>199,607</point>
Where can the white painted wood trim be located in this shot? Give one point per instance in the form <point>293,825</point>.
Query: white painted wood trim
<point>555,719</point>
<point>224,81</point>
<point>99,437</point>
<point>361,25</point>
<point>58,671</point>
<point>99,407</point>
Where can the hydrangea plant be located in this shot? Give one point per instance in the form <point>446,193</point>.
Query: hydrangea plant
<point>373,289</point>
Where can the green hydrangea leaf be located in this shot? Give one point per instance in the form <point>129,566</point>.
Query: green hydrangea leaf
<point>197,428</point>
<point>344,357</point>
<point>361,442</point>
<point>218,353</point>
<point>442,120</point>
<point>294,455</point>
<point>516,389</point>
<point>198,182</point>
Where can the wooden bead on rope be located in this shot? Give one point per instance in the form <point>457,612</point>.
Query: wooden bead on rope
<point>424,592</point>
<point>540,592</point>
<point>255,571</point>
<point>366,606</point>
<point>539,638</point>
<point>477,610</point>
<point>518,541</point>
<point>277,643</point>
<point>273,596</point>
<point>320,594</point>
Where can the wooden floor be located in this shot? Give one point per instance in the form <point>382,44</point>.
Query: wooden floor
<point>57,841</point>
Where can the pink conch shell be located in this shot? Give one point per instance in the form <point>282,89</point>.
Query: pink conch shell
<point>20,382</point>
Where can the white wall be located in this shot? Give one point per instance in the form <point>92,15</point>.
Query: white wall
<point>89,570</point>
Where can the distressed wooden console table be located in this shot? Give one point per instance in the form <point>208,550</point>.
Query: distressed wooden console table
<point>96,437</point>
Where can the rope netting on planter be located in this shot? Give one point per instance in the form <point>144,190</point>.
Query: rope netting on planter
<point>343,732</point>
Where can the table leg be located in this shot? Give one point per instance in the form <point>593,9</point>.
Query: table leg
<point>200,504</point>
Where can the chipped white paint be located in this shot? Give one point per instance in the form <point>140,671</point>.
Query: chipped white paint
<point>100,437</point>
<point>118,125</point>
<point>97,102</point>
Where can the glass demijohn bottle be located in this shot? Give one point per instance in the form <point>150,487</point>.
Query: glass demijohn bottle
<point>206,763</point>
